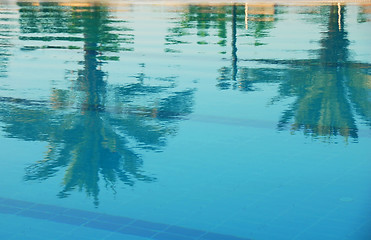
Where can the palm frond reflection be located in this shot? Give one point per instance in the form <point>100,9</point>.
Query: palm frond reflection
<point>95,130</point>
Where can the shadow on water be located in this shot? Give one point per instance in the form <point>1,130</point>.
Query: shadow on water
<point>94,130</point>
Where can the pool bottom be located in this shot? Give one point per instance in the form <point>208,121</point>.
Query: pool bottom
<point>112,225</point>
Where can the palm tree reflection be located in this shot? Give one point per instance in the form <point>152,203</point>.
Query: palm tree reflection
<point>323,87</point>
<point>94,128</point>
<point>329,89</point>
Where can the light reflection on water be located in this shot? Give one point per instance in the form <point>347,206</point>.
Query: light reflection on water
<point>127,85</point>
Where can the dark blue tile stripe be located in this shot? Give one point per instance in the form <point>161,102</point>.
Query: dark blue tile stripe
<point>185,231</point>
<point>36,214</point>
<point>113,227</point>
<point>217,236</point>
<point>141,232</point>
<point>9,210</point>
<point>124,225</point>
<point>49,208</point>
<point>244,122</point>
<point>150,225</point>
<point>114,219</point>
<point>170,236</point>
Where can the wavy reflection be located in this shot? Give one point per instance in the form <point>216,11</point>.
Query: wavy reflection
<point>228,23</point>
<point>7,26</point>
<point>325,87</point>
<point>95,130</point>
<point>330,90</point>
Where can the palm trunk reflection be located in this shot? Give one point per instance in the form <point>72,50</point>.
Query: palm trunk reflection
<point>88,132</point>
<point>323,106</point>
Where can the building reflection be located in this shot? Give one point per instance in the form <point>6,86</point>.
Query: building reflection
<point>364,15</point>
<point>95,130</point>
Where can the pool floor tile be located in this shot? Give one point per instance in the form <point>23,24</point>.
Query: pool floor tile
<point>48,208</point>
<point>17,203</point>
<point>119,236</point>
<point>114,219</point>
<point>103,225</point>
<point>9,210</point>
<point>215,236</point>
<point>5,235</point>
<point>149,225</point>
<point>170,236</point>
<point>85,233</point>
<point>319,236</point>
<point>69,220</point>
<point>185,231</point>
<point>80,214</point>
<point>137,231</point>
<point>108,225</point>
<point>36,214</point>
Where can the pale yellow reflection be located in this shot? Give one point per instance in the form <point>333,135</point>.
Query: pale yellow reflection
<point>82,3</point>
<point>339,15</point>
<point>254,12</point>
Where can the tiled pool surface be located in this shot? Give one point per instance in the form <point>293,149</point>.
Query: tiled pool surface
<point>113,224</point>
<point>184,121</point>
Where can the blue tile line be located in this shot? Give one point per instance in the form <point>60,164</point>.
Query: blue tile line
<point>254,123</point>
<point>123,225</point>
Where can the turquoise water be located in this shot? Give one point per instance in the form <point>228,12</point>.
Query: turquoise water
<point>179,122</point>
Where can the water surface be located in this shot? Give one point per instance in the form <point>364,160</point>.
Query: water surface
<point>248,120</point>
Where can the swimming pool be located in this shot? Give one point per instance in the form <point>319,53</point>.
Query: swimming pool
<point>123,120</point>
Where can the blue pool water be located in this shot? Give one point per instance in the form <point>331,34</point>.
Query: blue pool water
<point>184,121</point>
